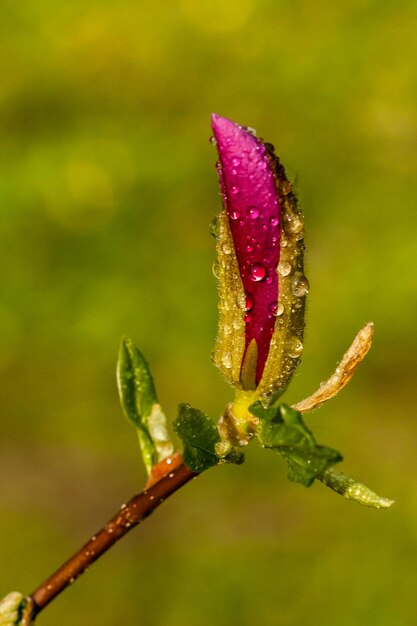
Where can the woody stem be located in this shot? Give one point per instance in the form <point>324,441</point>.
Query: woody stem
<point>129,516</point>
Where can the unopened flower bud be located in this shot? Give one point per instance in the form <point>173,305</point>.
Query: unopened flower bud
<point>259,265</point>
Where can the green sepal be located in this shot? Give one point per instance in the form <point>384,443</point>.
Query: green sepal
<point>140,404</point>
<point>199,436</point>
<point>282,429</point>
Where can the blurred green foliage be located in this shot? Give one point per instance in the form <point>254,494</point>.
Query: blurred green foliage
<point>107,188</point>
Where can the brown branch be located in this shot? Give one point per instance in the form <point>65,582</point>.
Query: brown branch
<point>129,515</point>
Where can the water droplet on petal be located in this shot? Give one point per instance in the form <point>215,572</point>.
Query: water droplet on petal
<point>215,227</point>
<point>284,268</point>
<point>257,272</point>
<point>248,317</point>
<point>235,162</point>
<point>216,269</point>
<point>293,223</point>
<point>294,347</point>
<point>280,309</point>
<point>249,302</point>
<point>235,190</point>
<point>253,212</point>
<point>234,215</point>
<point>227,360</point>
<point>249,249</point>
<point>274,221</point>
<point>300,285</point>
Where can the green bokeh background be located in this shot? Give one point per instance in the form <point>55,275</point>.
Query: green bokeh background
<point>107,187</point>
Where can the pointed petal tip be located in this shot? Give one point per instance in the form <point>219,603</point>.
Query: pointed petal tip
<point>219,124</point>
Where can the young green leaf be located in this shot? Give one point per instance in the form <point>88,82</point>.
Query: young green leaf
<point>199,436</point>
<point>140,404</point>
<point>351,489</point>
<point>282,429</point>
<point>16,610</point>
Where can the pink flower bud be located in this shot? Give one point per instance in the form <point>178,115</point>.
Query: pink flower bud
<point>261,231</point>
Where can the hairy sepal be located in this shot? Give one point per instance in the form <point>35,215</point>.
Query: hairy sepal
<point>287,340</point>
<point>230,342</point>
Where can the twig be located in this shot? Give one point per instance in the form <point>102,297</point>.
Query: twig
<point>129,515</point>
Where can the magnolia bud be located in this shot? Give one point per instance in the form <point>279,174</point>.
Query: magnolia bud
<point>259,266</point>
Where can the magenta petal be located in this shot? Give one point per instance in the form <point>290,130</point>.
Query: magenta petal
<point>251,201</point>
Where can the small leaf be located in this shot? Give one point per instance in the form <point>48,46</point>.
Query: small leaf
<point>283,430</point>
<point>16,610</point>
<point>199,436</point>
<point>136,387</point>
<point>140,404</point>
<point>351,489</point>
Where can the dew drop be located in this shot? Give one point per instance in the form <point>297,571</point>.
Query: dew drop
<point>257,272</point>
<point>234,215</point>
<point>284,268</point>
<point>249,249</point>
<point>293,347</point>
<point>214,227</point>
<point>293,224</point>
<point>235,190</point>
<point>252,212</point>
<point>227,360</point>
<point>248,318</point>
<point>274,221</point>
<point>216,269</point>
<point>280,309</point>
<point>249,302</point>
<point>236,162</point>
<point>273,308</point>
<point>300,285</point>
<point>213,141</point>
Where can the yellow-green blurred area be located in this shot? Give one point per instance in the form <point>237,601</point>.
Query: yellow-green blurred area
<point>107,187</point>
